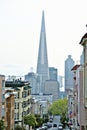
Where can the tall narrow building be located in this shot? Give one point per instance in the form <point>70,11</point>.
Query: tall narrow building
<point>69,63</point>
<point>42,63</point>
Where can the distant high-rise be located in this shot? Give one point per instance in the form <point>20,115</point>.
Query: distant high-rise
<point>35,82</point>
<point>52,73</point>
<point>69,63</point>
<point>61,81</point>
<point>42,64</point>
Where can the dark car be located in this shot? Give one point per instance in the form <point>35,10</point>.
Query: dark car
<point>51,120</point>
<point>49,125</point>
<point>54,125</point>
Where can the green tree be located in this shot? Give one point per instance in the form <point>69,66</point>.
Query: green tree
<point>30,120</point>
<point>39,120</point>
<point>60,107</point>
<point>19,128</point>
<point>46,118</point>
<point>2,127</point>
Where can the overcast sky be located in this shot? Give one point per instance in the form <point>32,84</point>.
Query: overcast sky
<point>20,25</point>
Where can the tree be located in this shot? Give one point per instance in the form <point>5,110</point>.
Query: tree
<point>39,120</point>
<point>30,120</point>
<point>60,107</point>
<point>2,127</point>
<point>19,128</point>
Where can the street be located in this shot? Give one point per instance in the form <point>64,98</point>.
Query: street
<point>55,123</point>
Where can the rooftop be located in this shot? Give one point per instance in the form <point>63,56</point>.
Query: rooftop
<point>85,36</point>
<point>16,83</point>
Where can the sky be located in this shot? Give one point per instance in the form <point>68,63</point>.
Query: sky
<point>20,25</point>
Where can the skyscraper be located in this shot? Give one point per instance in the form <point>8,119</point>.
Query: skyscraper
<point>35,82</point>
<point>52,73</point>
<point>42,64</point>
<point>69,63</point>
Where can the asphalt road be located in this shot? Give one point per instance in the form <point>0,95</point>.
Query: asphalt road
<point>53,128</point>
<point>56,120</point>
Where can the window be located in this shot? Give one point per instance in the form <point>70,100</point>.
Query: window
<point>16,116</point>
<point>28,92</point>
<point>3,83</point>
<point>24,104</point>
<point>18,95</point>
<point>24,94</point>
<point>17,105</point>
<point>28,101</point>
<point>3,112</point>
<point>3,97</point>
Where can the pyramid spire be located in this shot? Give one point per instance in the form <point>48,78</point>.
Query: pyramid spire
<point>42,64</point>
<point>43,23</point>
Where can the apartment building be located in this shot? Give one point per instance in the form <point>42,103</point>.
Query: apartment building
<point>79,111</point>
<point>22,99</point>
<point>76,96</point>
<point>2,91</point>
<point>9,109</point>
<point>80,90</point>
<point>83,86</point>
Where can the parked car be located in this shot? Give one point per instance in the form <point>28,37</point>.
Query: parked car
<point>49,125</point>
<point>60,127</point>
<point>51,120</point>
<point>39,129</point>
<point>54,125</point>
<point>44,127</point>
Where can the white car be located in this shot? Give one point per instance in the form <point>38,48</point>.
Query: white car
<point>39,129</point>
<point>60,128</point>
<point>44,127</point>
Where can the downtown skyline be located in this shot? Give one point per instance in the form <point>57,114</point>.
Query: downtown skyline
<point>20,33</point>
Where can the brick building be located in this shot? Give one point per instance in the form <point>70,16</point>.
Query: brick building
<point>9,99</point>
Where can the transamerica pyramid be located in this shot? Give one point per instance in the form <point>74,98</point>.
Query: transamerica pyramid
<point>42,63</point>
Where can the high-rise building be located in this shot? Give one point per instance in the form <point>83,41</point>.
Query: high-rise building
<point>35,82</point>
<point>52,87</point>
<point>52,73</point>
<point>44,82</point>
<point>42,64</point>
<point>69,63</point>
<point>61,81</point>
